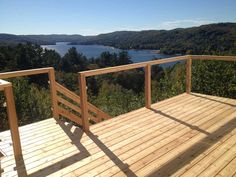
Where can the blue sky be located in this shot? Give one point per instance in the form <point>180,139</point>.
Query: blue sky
<point>90,17</point>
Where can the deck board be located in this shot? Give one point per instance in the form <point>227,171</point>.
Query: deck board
<point>177,137</point>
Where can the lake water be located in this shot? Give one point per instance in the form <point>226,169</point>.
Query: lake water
<point>95,50</point>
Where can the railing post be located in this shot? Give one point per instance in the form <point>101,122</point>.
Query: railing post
<point>148,100</point>
<point>188,75</point>
<point>13,123</point>
<point>83,102</point>
<point>53,92</point>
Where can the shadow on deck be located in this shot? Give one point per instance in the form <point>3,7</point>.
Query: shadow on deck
<point>175,137</point>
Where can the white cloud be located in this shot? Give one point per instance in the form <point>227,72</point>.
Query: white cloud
<point>183,23</point>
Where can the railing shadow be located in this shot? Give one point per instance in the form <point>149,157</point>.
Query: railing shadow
<point>20,167</point>
<point>75,140</point>
<point>180,121</point>
<point>195,150</point>
<point>119,163</point>
<point>211,99</point>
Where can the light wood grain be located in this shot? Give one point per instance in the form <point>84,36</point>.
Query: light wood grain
<point>53,92</point>
<point>131,66</point>
<point>188,75</point>
<point>70,116</point>
<point>148,98</point>
<point>155,62</point>
<point>21,73</point>
<point>213,57</point>
<point>181,129</point>
<point>69,104</point>
<point>83,102</point>
<point>74,97</point>
<point>13,122</point>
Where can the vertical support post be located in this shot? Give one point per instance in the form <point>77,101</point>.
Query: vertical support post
<point>13,123</point>
<point>148,99</point>
<point>83,102</point>
<point>188,75</point>
<point>99,116</point>
<point>53,92</point>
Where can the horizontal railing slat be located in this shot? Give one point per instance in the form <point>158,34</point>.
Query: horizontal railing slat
<point>69,115</point>
<point>131,66</point>
<point>213,57</point>
<point>67,93</point>
<point>24,73</point>
<point>70,105</point>
<point>76,98</point>
<point>154,62</point>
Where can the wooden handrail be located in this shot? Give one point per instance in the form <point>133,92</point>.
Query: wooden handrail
<point>131,66</point>
<point>213,57</point>
<point>147,65</point>
<point>51,74</point>
<point>52,80</point>
<point>74,97</point>
<point>12,118</point>
<point>7,75</point>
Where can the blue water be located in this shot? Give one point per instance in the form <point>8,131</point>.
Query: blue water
<point>95,50</point>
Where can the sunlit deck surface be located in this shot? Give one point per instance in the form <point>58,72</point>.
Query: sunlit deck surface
<point>187,135</point>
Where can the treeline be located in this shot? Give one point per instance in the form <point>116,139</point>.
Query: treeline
<point>113,93</point>
<point>26,56</point>
<point>32,93</point>
<point>40,39</point>
<point>207,39</point>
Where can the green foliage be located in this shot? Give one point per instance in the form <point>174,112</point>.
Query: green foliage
<point>69,80</point>
<point>3,111</point>
<point>207,39</point>
<point>131,80</point>
<point>32,103</point>
<point>116,100</point>
<point>214,78</point>
<point>51,59</point>
<point>172,83</point>
<point>73,61</point>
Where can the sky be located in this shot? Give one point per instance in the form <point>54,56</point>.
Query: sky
<point>91,17</point>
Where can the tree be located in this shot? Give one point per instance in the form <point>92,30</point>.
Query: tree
<point>124,58</point>
<point>51,59</point>
<point>73,61</point>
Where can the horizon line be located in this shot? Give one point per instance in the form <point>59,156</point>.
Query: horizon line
<point>21,34</point>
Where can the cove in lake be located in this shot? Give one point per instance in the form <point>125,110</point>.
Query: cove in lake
<point>95,50</point>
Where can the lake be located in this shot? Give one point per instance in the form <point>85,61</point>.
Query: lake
<point>95,50</point>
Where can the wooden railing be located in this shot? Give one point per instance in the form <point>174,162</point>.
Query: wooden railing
<point>6,87</point>
<point>51,75</point>
<point>68,99</point>
<point>11,110</point>
<point>69,109</point>
<point>147,67</point>
<point>78,109</point>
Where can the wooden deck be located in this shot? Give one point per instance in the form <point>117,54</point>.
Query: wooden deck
<point>187,135</point>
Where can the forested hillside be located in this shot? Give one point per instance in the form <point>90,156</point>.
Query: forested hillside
<point>114,93</point>
<point>208,39</point>
<point>6,39</point>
